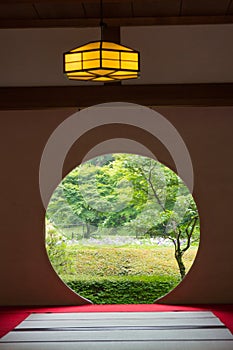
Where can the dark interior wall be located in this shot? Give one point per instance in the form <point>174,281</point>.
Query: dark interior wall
<point>207,133</point>
<point>26,274</point>
<point>27,277</point>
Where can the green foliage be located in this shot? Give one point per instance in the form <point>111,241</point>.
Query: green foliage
<point>116,275</point>
<point>123,192</point>
<point>170,209</point>
<point>60,255</point>
<point>123,290</point>
<point>91,262</point>
<point>93,196</point>
<point>126,261</point>
<point>59,212</point>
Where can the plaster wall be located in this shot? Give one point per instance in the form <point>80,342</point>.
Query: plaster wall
<point>169,54</point>
<point>26,275</point>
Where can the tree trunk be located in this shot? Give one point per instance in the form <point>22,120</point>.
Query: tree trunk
<point>87,234</point>
<point>178,256</point>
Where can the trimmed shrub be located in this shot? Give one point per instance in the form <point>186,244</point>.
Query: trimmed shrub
<point>123,290</point>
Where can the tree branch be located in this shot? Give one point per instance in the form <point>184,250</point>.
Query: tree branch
<point>173,241</point>
<point>178,239</point>
<point>189,234</point>
<point>148,179</point>
<point>156,194</point>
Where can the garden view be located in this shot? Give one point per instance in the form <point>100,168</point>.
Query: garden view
<point>122,228</point>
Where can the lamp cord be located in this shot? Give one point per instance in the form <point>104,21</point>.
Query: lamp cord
<point>102,24</point>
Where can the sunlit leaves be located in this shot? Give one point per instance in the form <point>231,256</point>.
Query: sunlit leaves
<point>130,193</point>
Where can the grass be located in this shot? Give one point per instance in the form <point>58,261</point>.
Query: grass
<point>123,290</point>
<point>125,261</point>
<point>128,273</point>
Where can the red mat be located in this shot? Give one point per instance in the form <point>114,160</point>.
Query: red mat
<point>10,317</point>
<point>9,321</point>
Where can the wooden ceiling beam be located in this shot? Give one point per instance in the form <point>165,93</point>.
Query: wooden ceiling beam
<point>113,22</point>
<point>24,98</point>
<point>54,1</point>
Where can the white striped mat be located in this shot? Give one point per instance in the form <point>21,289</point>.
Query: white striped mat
<point>120,331</point>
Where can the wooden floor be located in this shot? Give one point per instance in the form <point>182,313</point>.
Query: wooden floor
<point>198,330</point>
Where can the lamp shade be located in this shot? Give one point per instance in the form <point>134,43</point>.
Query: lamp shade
<point>101,61</point>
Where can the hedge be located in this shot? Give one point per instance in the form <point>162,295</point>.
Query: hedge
<point>123,290</point>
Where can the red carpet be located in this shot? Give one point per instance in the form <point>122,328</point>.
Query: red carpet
<point>9,320</point>
<point>10,317</point>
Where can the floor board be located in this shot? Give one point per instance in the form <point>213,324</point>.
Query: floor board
<point>121,331</point>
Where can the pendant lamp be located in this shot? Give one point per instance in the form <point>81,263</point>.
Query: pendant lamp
<point>102,61</point>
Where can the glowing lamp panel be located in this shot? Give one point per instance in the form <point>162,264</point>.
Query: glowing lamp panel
<point>101,61</point>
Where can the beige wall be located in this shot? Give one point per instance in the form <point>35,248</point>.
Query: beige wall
<point>174,54</point>
<point>27,277</point>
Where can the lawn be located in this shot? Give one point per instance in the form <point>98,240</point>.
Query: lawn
<point>122,274</point>
<point>121,261</point>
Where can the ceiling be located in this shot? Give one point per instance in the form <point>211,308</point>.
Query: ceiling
<point>186,47</point>
<point>46,13</point>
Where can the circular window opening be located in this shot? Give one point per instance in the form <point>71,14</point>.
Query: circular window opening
<point>122,228</point>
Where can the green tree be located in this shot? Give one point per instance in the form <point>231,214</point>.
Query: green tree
<point>94,195</point>
<point>59,213</point>
<point>136,193</point>
<point>58,252</point>
<point>79,189</point>
<point>170,211</point>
